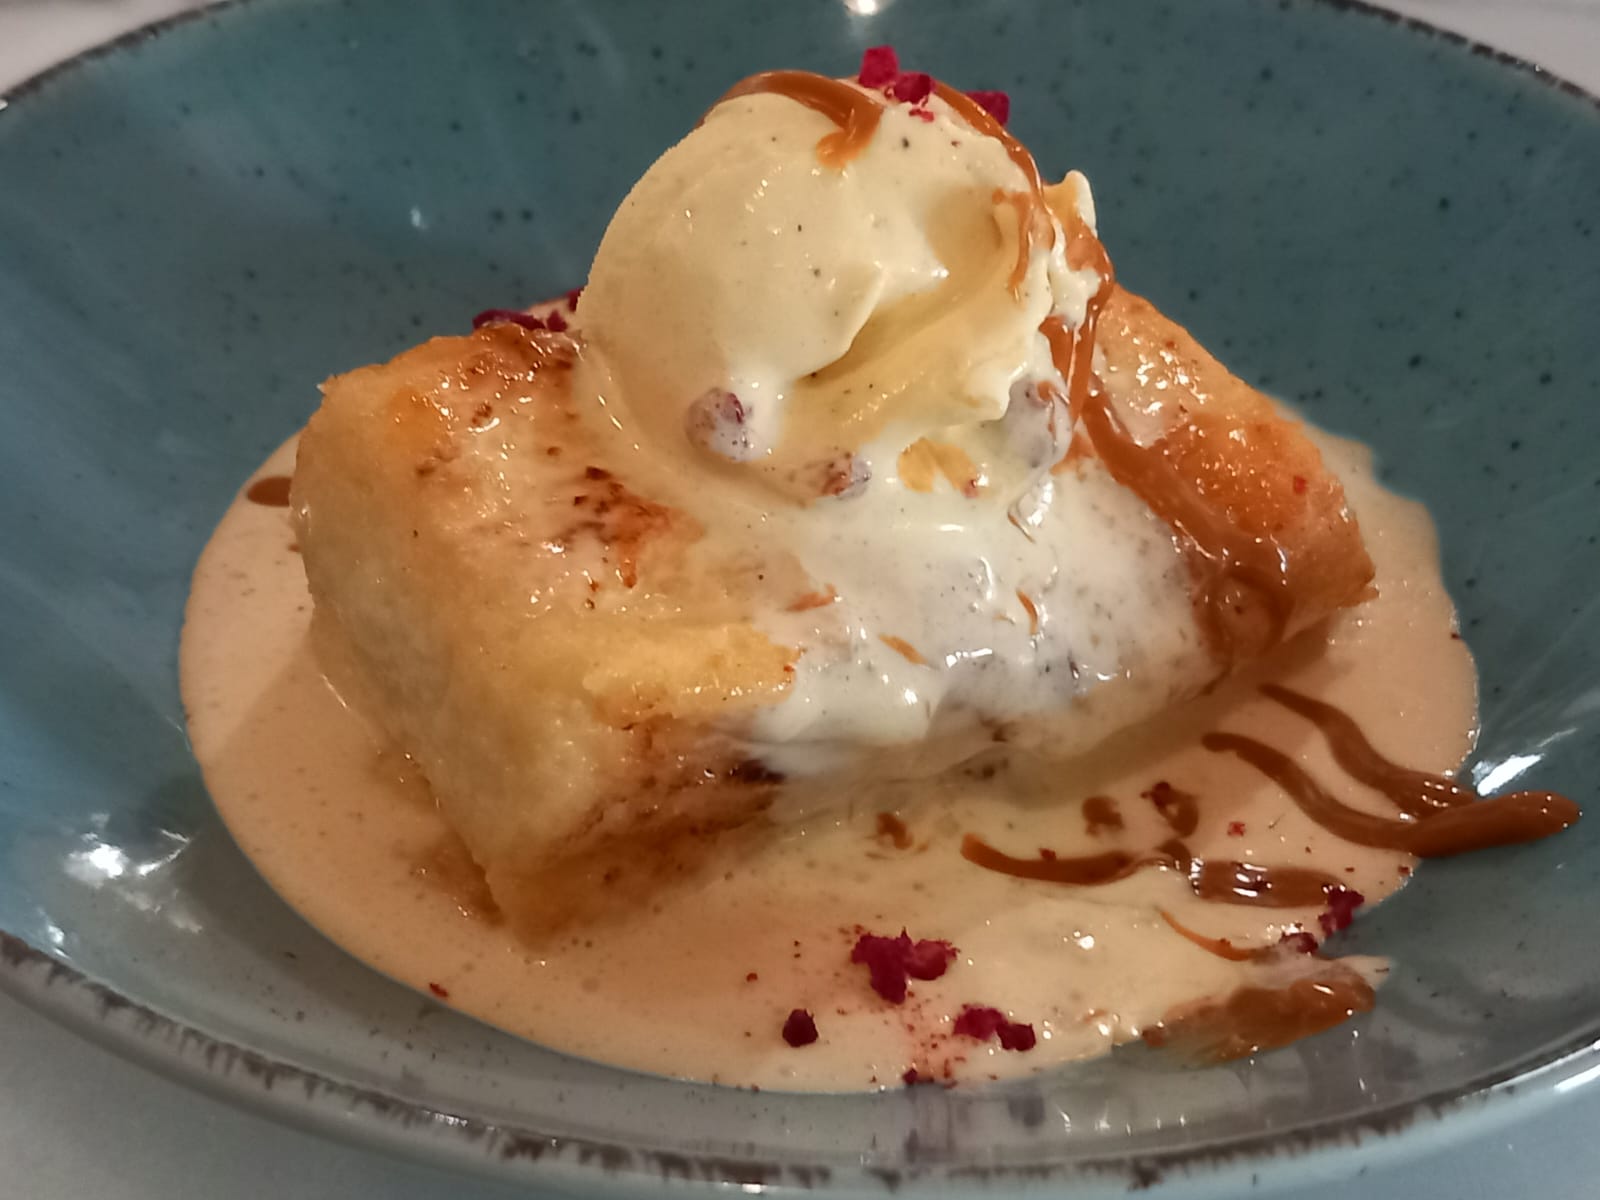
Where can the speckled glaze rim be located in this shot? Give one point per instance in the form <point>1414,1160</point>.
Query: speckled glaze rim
<point>327,1106</point>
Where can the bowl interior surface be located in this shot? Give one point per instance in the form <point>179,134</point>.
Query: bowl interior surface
<point>1374,222</point>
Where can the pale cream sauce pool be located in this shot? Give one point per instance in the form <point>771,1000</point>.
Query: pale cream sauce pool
<point>699,985</point>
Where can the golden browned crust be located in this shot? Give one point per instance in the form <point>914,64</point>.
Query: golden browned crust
<point>1252,465</point>
<point>558,652</point>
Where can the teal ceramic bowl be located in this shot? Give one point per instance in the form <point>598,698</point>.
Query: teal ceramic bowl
<point>1374,220</point>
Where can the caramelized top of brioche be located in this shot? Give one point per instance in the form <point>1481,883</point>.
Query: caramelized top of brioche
<point>1239,464</point>
<point>566,608</point>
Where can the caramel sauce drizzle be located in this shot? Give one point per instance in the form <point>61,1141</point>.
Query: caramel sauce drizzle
<point>1416,793</point>
<point>1101,812</point>
<point>1221,947</point>
<point>1178,808</point>
<point>1034,226</point>
<point>892,829</point>
<point>1224,558</point>
<point>1251,1019</point>
<point>856,113</point>
<point>1447,817</point>
<point>1223,882</point>
<point>270,490</point>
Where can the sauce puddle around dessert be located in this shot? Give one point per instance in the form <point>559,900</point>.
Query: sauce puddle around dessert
<point>699,984</point>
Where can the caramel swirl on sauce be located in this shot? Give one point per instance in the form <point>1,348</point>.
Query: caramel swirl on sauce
<point>1219,946</point>
<point>1178,808</point>
<point>1251,1019</point>
<point>1502,821</point>
<point>855,112</point>
<point>1222,882</point>
<point>1447,816</point>
<point>1416,793</point>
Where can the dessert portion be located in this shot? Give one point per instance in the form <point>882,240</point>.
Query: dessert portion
<point>813,488</point>
<point>853,641</point>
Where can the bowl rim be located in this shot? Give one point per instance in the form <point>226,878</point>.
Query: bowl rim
<point>381,1120</point>
<point>324,1105</point>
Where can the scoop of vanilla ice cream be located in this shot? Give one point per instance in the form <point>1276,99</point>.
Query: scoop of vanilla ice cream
<point>752,302</point>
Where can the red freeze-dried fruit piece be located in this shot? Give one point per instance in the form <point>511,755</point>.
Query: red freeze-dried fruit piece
<point>1342,905</point>
<point>912,1077</point>
<point>800,1029</point>
<point>495,316</point>
<point>572,299</point>
<point>978,1021</point>
<point>885,962</point>
<point>1301,942</point>
<point>982,1023</point>
<point>922,114</point>
<point>1016,1036</point>
<point>929,958</point>
<point>1235,828</point>
<point>880,66</point>
<point>911,87</point>
<point>439,990</point>
<point>555,322</point>
<point>892,961</point>
<point>996,104</point>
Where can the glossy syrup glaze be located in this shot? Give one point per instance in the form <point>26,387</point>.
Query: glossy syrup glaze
<point>700,983</point>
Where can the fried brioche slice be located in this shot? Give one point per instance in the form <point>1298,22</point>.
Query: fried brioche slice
<point>553,649</point>
<point>572,663</point>
<point>1273,546</point>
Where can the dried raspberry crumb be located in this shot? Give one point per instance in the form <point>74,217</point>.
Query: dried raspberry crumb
<point>1404,870</point>
<point>1300,485</point>
<point>1016,1036</point>
<point>912,1077</point>
<point>439,990</point>
<point>1047,854</point>
<point>1301,942</point>
<point>511,316</point>
<point>880,66</point>
<point>892,961</point>
<point>572,299</point>
<point>922,114</point>
<point>996,104</point>
<point>911,87</point>
<point>1235,828</point>
<point>799,1029</point>
<point>929,958</point>
<point>752,977</point>
<point>981,1023</point>
<point>1342,905</point>
<point>555,322</point>
<point>978,1021</point>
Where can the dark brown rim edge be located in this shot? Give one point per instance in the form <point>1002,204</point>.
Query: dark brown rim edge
<point>178,1050</point>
